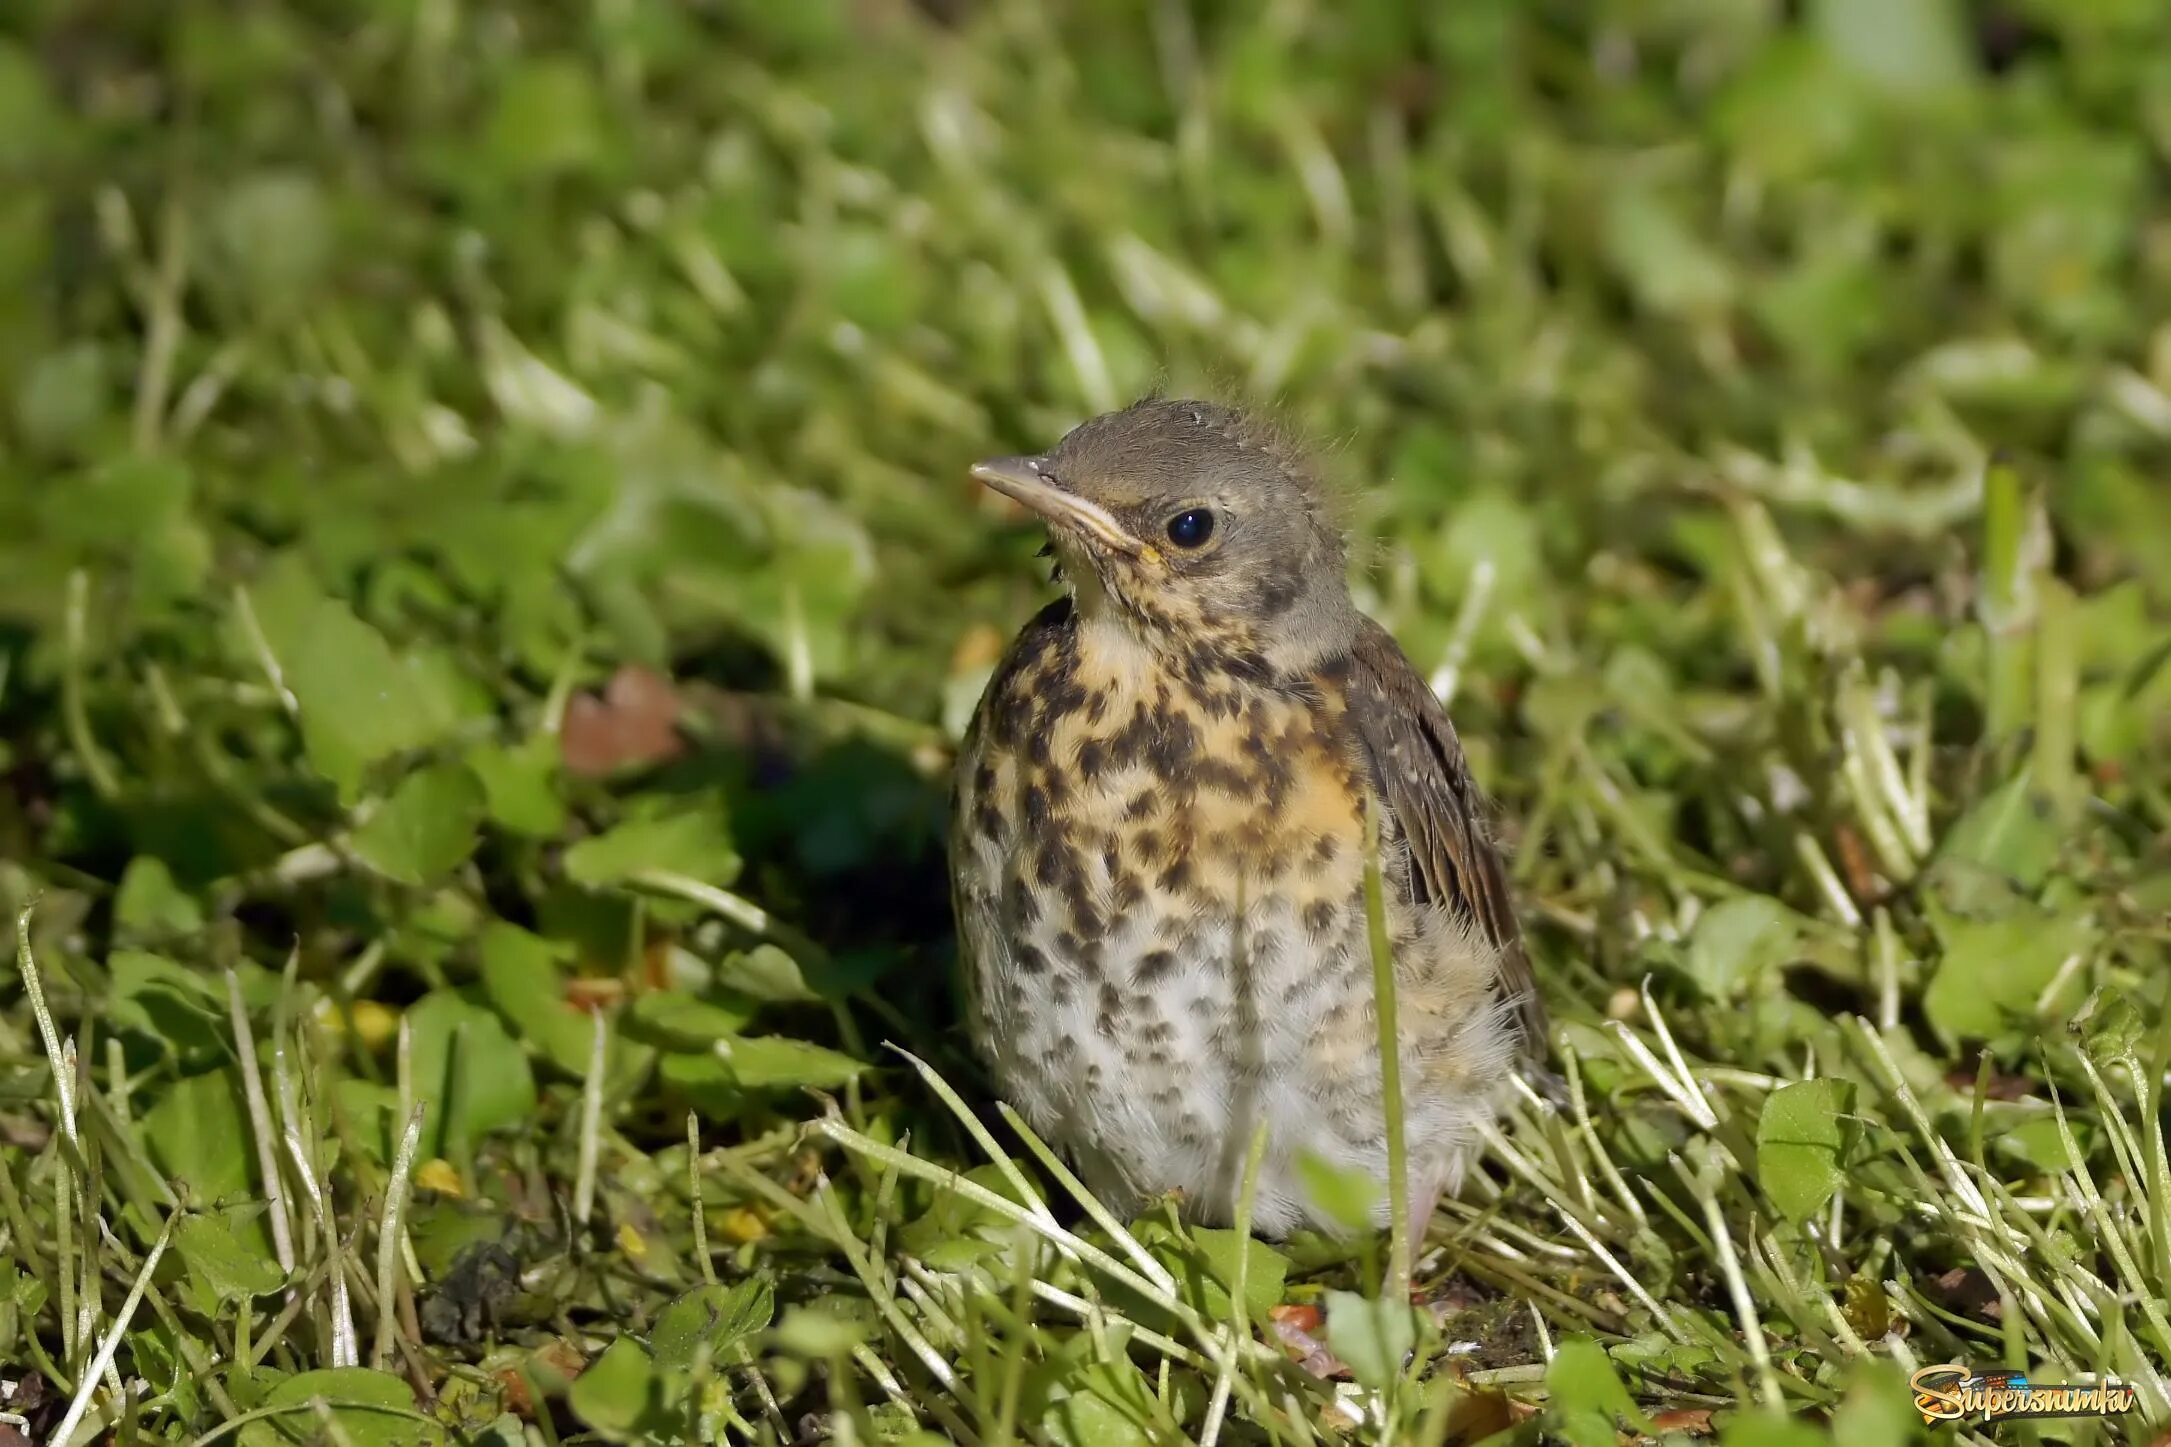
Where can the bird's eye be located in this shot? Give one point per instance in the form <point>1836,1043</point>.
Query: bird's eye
<point>1191,528</point>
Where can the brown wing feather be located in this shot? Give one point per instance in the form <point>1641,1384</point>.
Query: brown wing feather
<point>1418,768</point>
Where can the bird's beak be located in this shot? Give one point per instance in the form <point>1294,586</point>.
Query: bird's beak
<point>1024,480</point>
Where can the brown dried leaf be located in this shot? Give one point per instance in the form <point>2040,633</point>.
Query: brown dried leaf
<point>1298,1327</point>
<point>1694,1421</point>
<point>591,993</point>
<point>633,724</point>
<point>2001,1087</point>
<point>1854,863</point>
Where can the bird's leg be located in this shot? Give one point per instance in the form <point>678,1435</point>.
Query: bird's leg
<point>1424,1201</point>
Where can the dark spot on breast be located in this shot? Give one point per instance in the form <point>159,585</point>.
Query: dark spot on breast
<point>1221,703</point>
<point>1226,775</point>
<point>1036,809</point>
<point>1081,954</point>
<point>1319,916</point>
<point>1125,890</point>
<point>987,822</point>
<point>1301,988</point>
<point>1153,966</point>
<point>1091,756</point>
<point>1088,921</point>
<point>1326,848</point>
<point>1049,863</point>
<point>1007,713</point>
<point>1062,697</point>
<point>1108,1010</point>
<point>1021,907</point>
<point>1176,877</point>
<point>983,779</point>
<point>1128,744</point>
<point>1030,960</point>
<point>1172,748</point>
<point>1142,803</point>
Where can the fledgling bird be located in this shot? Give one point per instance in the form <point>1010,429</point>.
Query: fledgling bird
<point>1158,841</point>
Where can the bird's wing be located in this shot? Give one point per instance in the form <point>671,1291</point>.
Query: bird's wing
<point>1418,768</point>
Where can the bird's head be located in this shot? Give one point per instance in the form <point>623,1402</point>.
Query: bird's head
<point>1195,528</point>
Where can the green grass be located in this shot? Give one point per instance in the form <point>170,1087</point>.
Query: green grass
<point>1762,423</point>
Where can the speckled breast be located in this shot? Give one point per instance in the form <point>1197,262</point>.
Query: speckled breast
<point>1159,877</point>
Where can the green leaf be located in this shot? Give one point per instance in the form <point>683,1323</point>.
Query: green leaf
<point>355,1396</point>
<point>1493,530</point>
<point>1910,50</point>
<point>1374,1337</point>
<point>718,1083</point>
<point>548,120</point>
<point>64,397</point>
<point>618,1391</point>
<point>1802,1139</point>
<point>220,1264</point>
<point>30,120</point>
<point>679,1021</point>
<point>2010,830</point>
<point>473,1075</point>
<point>199,1133</point>
<point>150,903</point>
<point>1740,942</point>
<point>1878,1410</point>
<point>1347,1194</point>
<point>273,231</point>
<point>2000,953</point>
<point>369,1109</point>
<point>1586,1400</point>
<point>1204,1266</point>
<point>520,785</point>
<point>2116,1028</point>
<point>1104,1404</point>
<point>1651,243</point>
<point>719,1316</point>
<point>690,840</point>
<point>2034,1139</point>
<point>523,975</point>
<point>823,1329</point>
<point>766,973</point>
<point>446,1228</point>
<point>426,829</point>
<point>1765,1428</point>
<point>772,1062</point>
<point>358,702</point>
<point>962,1231</point>
<point>171,1004</point>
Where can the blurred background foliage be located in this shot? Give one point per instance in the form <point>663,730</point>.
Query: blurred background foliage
<point>483,499</point>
